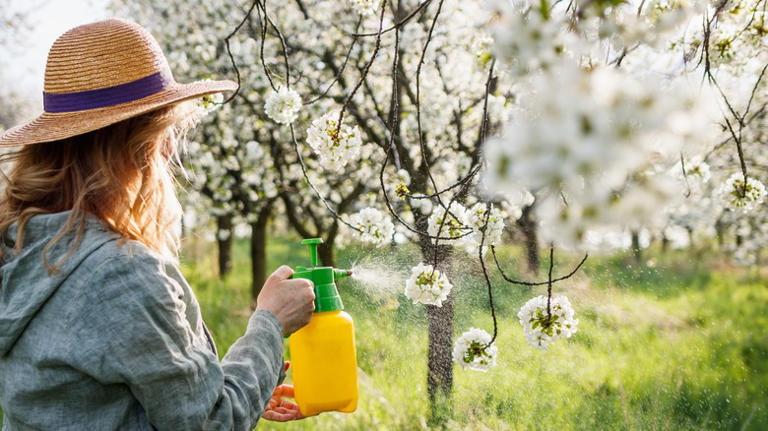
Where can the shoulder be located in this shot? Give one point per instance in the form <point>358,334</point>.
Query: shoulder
<point>123,252</point>
<point>129,271</point>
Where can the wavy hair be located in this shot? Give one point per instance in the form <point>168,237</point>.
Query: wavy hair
<point>124,174</point>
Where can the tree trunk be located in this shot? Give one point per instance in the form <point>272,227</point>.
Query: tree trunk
<point>691,245</point>
<point>259,252</point>
<point>720,231</point>
<point>182,226</point>
<point>637,253</point>
<point>224,223</point>
<point>527,224</point>
<point>440,359</point>
<point>326,252</point>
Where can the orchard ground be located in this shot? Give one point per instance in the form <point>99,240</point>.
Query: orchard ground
<point>677,343</point>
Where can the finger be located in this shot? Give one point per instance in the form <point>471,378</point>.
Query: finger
<point>288,405</point>
<point>272,415</point>
<point>299,283</point>
<point>296,412</point>
<point>284,391</point>
<point>293,413</point>
<point>307,318</point>
<point>273,402</point>
<point>283,273</point>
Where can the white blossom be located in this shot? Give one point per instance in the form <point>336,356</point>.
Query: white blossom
<point>539,330</point>
<point>335,148</point>
<point>454,222</point>
<point>376,226</point>
<point>736,196</point>
<point>470,350</point>
<point>696,170</point>
<point>283,105</point>
<point>403,176</point>
<point>210,102</point>
<point>427,285</point>
<point>476,219</point>
<point>223,234</point>
<point>253,150</point>
<point>365,7</point>
<point>481,48</point>
<point>528,41</point>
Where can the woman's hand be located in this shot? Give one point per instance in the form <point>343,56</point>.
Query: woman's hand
<point>281,410</point>
<point>290,300</point>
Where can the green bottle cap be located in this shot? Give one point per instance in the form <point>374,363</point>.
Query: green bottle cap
<point>324,278</point>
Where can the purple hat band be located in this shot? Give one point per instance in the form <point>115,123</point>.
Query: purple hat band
<point>109,96</point>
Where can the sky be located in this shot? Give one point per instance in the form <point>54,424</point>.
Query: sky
<point>48,21</point>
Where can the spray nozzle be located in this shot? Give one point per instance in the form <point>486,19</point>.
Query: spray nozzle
<point>341,273</point>
<point>324,278</point>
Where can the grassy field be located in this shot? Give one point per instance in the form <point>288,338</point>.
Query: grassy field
<point>677,343</point>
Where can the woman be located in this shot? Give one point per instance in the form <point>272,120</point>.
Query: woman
<point>98,328</point>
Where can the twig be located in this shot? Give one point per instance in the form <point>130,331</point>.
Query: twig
<point>229,51</point>
<point>534,283</point>
<point>400,23</point>
<point>481,256</point>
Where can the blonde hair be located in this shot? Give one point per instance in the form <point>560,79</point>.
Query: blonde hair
<point>123,174</point>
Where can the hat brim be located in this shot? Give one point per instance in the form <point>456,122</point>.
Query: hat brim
<point>55,126</point>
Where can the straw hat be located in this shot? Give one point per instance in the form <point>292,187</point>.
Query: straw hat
<point>100,74</point>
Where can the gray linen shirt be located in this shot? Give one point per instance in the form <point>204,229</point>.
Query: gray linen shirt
<point>116,341</point>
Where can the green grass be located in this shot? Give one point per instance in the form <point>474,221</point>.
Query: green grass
<point>680,345</point>
<point>677,346</point>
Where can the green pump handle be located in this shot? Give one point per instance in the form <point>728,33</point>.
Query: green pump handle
<point>323,277</point>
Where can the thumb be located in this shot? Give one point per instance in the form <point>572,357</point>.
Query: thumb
<point>283,273</point>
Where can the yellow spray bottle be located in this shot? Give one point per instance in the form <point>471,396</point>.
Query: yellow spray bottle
<point>323,357</point>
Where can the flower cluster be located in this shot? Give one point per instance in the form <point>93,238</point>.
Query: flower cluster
<point>427,285</point>
<point>283,105</point>
<point>466,225</point>
<point>694,174</point>
<point>375,226</point>
<point>453,222</point>
<point>476,219</point>
<point>737,196</point>
<point>471,350</point>
<point>335,146</point>
<point>698,170</point>
<point>365,7</point>
<point>541,330</point>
